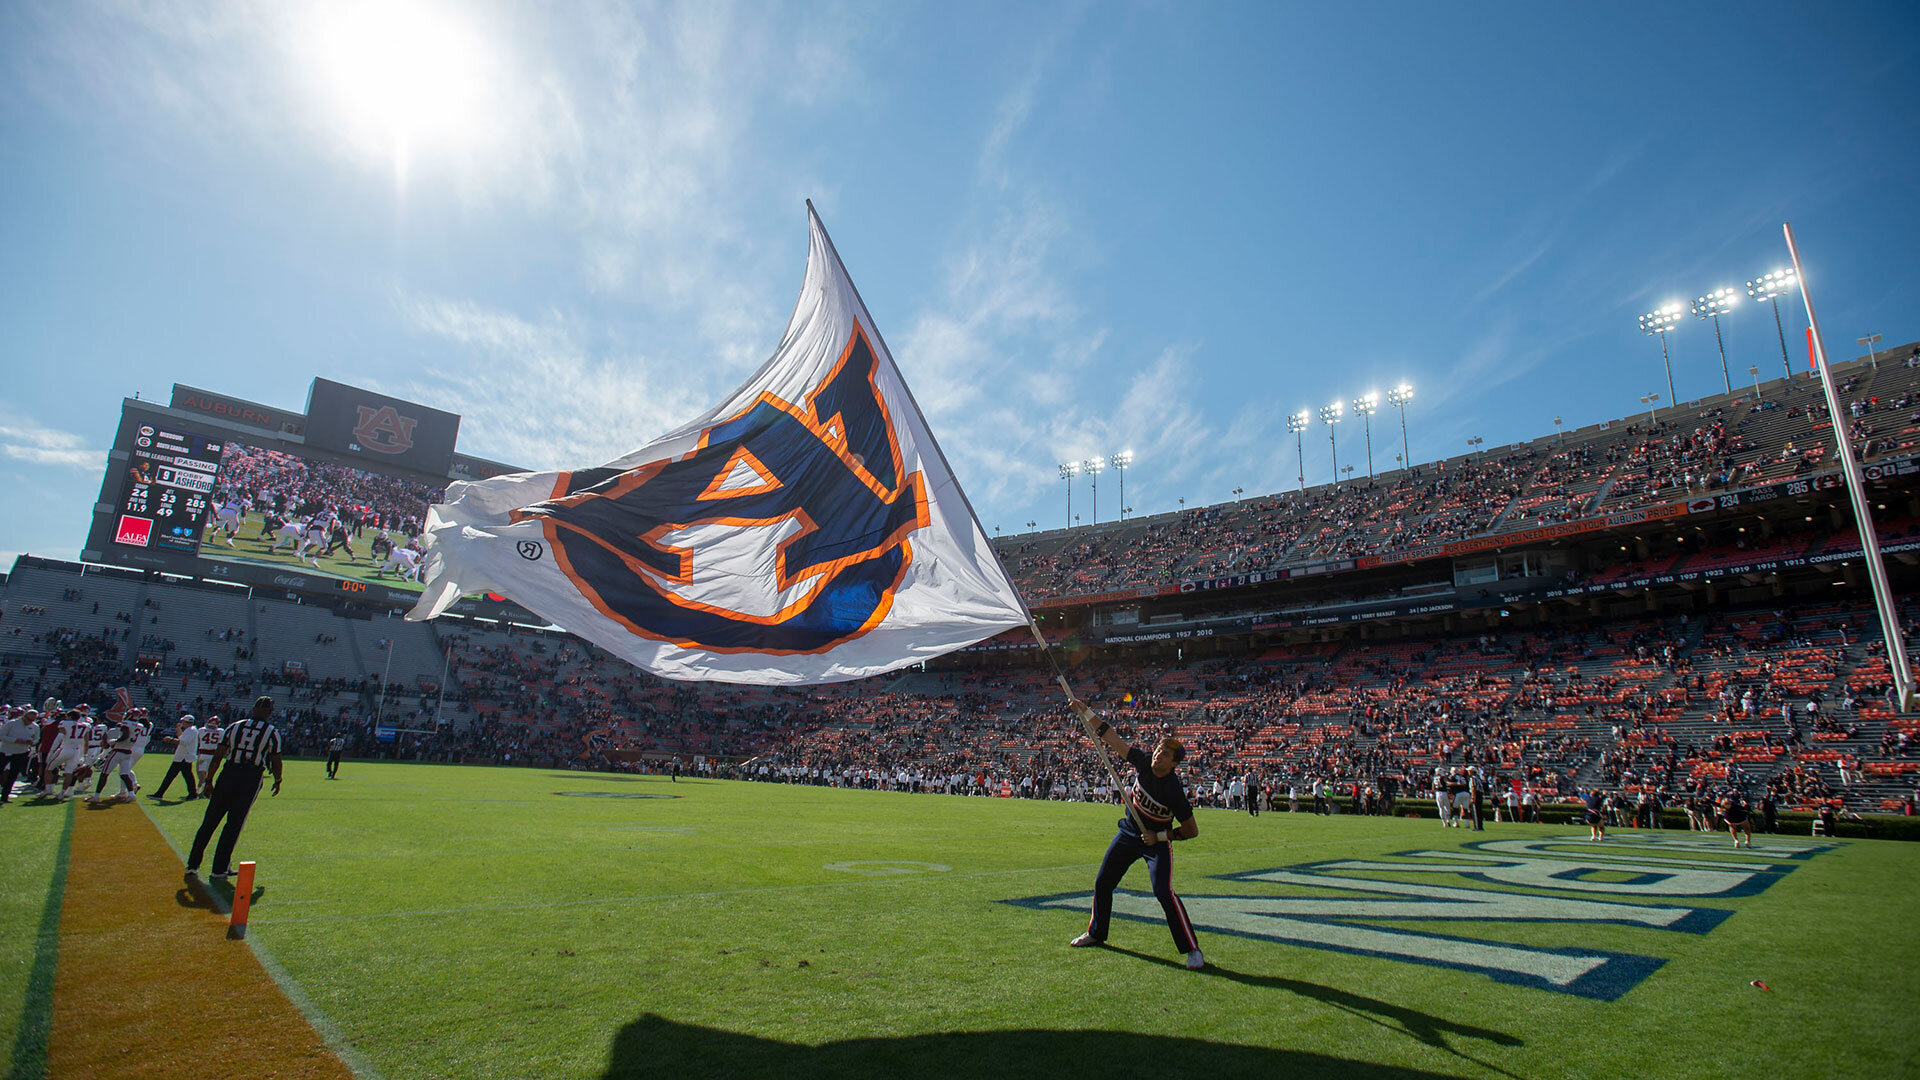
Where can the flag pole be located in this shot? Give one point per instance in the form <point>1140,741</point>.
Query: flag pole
<point>1856,491</point>
<point>1073,702</point>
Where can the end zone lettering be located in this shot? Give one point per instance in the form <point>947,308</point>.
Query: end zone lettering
<point>1635,884</point>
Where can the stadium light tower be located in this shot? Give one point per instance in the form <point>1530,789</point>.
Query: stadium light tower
<point>1366,405</point>
<point>1769,287</point>
<point>1092,467</point>
<point>1870,341</point>
<point>1712,306</point>
<point>1297,423</point>
<point>1652,402</point>
<point>1658,322</point>
<point>1330,415</point>
<point>1067,472</point>
<point>1118,463</point>
<point>1473,445</point>
<point>1398,398</point>
<point>1755,372</point>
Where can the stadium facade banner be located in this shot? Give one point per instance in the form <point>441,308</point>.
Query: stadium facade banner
<point>396,433</point>
<point>1497,541</point>
<point>235,410</point>
<point>1844,551</point>
<point>806,529</point>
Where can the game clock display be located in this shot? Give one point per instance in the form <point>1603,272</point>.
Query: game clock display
<point>169,479</point>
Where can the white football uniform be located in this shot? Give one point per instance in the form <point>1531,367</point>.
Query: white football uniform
<point>68,745</point>
<point>406,560</point>
<point>99,737</point>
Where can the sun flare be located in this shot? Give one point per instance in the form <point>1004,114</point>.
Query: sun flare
<point>407,75</point>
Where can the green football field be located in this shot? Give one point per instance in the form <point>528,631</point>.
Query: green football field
<point>470,922</point>
<point>250,548</point>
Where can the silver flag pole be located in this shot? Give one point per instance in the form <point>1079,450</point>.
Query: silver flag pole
<point>1856,491</point>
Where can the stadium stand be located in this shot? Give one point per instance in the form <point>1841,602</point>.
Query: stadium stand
<point>1675,658</point>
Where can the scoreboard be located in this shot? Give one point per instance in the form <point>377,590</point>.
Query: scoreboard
<point>173,470</point>
<point>165,489</point>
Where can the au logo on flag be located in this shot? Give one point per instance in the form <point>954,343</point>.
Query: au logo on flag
<point>1652,882</point>
<point>824,473</point>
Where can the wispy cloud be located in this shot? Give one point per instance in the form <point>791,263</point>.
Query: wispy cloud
<point>35,444</point>
<point>530,394</point>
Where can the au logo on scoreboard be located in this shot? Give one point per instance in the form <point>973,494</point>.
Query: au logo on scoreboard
<point>1368,907</point>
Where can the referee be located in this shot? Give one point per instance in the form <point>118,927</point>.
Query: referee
<point>247,749</point>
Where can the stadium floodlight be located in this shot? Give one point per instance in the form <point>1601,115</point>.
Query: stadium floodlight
<point>1652,402</point>
<point>1755,372</point>
<point>1297,423</point>
<point>1366,405</point>
<point>1712,306</point>
<point>1870,341</point>
<point>1330,415</point>
<point>1559,433</point>
<point>1067,472</point>
<point>1398,397</point>
<point>1474,444</point>
<point>1119,462</point>
<point>1092,467</point>
<point>1770,286</point>
<point>1658,322</point>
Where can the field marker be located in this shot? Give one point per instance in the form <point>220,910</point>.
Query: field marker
<point>242,900</point>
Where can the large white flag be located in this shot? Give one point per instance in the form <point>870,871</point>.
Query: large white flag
<point>806,529</point>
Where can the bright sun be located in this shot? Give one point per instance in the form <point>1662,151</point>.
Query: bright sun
<point>406,74</point>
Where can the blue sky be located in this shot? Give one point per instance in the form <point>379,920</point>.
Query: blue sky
<point>1081,228</point>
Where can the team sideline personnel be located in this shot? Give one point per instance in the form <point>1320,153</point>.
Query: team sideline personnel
<point>1157,799</point>
<point>246,749</point>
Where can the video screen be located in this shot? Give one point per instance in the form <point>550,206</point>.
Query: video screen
<point>272,508</point>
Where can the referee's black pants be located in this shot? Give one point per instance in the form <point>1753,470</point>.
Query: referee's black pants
<point>232,796</point>
<point>333,766</point>
<point>183,770</point>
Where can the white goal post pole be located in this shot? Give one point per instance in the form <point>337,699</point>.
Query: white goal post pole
<point>1856,491</point>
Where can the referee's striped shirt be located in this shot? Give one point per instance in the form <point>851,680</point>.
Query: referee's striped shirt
<point>249,742</point>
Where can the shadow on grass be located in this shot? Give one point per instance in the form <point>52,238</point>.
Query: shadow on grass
<point>203,895</point>
<point>1424,1027</point>
<point>653,1046</point>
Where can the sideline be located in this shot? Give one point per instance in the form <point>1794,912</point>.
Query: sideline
<point>322,1024</point>
<point>36,1014</point>
<point>137,947</point>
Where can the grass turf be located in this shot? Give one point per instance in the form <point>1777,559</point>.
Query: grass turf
<point>471,922</point>
<point>30,853</point>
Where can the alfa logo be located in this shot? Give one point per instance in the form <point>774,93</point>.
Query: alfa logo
<point>384,431</point>
<point>134,530</point>
<point>673,550</point>
<point>1368,907</point>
